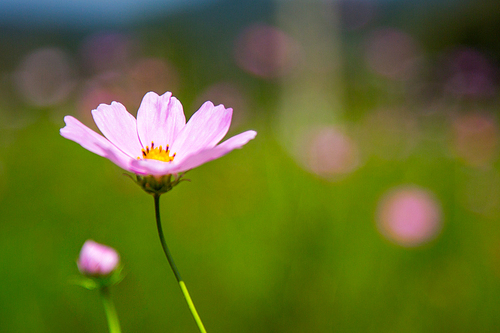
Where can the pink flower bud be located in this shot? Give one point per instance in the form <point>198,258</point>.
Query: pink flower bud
<point>97,259</point>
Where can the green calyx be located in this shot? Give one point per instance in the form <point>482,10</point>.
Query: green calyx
<point>100,281</point>
<point>157,186</point>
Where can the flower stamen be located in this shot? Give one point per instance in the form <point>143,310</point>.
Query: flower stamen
<point>157,153</point>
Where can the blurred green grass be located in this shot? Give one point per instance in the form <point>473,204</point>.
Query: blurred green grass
<point>262,244</point>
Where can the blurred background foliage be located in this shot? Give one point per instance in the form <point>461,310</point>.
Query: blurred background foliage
<point>369,201</point>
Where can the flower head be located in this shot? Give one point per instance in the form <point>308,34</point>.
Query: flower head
<point>159,142</point>
<point>97,259</point>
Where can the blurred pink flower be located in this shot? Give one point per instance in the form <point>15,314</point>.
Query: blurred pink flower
<point>97,259</point>
<point>331,152</point>
<point>475,138</point>
<point>392,53</point>
<point>266,51</point>
<point>159,142</point>
<point>469,73</point>
<point>409,216</point>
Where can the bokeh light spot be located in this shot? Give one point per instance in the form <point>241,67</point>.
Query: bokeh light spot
<point>392,53</point>
<point>409,216</point>
<point>45,77</point>
<point>330,152</point>
<point>108,51</point>
<point>266,51</point>
<point>475,138</point>
<point>152,74</point>
<point>469,74</point>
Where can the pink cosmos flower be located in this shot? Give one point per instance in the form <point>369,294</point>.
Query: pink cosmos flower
<point>97,259</point>
<point>159,142</point>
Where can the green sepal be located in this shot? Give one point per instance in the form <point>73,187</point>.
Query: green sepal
<point>85,282</point>
<point>117,276</point>
<point>157,186</point>
<point>96,282</point>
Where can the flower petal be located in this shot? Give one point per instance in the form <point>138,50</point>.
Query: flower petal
<point>203,131</point>
<point>159,119</point>
<point>96,143</point>
<point>210,154</point>
<point>119,126</point>
<point>158,168</point>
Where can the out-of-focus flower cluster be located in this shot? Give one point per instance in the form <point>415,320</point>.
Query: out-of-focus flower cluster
<point>351,88</point>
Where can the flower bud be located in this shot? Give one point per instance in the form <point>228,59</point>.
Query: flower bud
<point>97,259</point>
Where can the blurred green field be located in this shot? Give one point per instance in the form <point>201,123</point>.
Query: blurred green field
<point>264,243</point>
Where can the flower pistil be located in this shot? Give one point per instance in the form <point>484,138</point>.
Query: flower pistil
<point>157,153</point>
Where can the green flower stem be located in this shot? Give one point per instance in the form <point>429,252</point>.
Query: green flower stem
<point>109,308</point>
<point>185,292</point>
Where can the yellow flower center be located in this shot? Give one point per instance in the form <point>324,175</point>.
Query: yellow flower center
<point>157,153</point>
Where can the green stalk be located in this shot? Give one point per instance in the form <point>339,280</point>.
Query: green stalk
<point>178,277</point>
<point>109,308</point>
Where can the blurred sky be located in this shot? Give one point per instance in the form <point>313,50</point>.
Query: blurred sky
<point>98,13</point>
<point>85,13</point>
